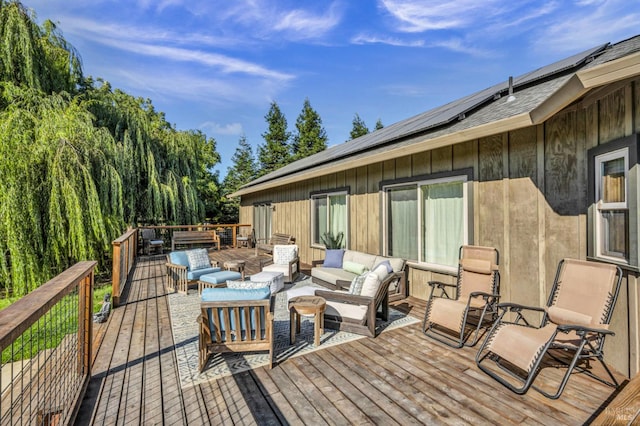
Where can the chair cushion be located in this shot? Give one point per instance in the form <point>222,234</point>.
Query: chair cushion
<point>220,277</point>
<point>356,268</point>
<point>384,263</point>
<point>306,290</point>
<point>198,259</point>
<point>283,254</point>
<point>179,258</point>
<point>357,283</point>
<point>195,275</point>
<point>283,269</point>
<point>333,258</point>
<point>382,270</point>
<point>230,294</point>
<point>370,285</point>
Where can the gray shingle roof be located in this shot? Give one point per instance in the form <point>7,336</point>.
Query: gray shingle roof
<point>482,107</point>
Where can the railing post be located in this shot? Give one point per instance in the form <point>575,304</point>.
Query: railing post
<point>115,274</point>
<point>85,324</point>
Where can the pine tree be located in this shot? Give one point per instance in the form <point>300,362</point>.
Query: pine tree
<point>240,173</point>
<point>379,124</point>
<point>359,127</point>
<point>275,153</point>
<point>311,136</point>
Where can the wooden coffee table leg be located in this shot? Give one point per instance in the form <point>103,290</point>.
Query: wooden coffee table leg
<point>292,325</point>
<point>316,329</point>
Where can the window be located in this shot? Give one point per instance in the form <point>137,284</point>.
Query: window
<point>612,209</point>
<point>329,217</point>
<point>427,221</point>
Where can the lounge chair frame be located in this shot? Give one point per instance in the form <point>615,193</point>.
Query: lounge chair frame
<point>590,346</point>
<point>483,316</point>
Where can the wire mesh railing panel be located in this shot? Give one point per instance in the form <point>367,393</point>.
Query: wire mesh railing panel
<point>44,367</point>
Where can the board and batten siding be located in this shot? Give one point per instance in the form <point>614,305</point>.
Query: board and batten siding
<point>529,200</point>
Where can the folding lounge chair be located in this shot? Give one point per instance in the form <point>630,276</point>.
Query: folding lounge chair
<point>572,330</point>
<point>453,320</point>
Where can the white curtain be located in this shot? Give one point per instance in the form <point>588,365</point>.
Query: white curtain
<point>320,219</point>
<point>443,222</point>
<point>402,209</point>
<point>338,218</point>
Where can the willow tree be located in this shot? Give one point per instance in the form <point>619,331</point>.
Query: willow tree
<point>80,161</point>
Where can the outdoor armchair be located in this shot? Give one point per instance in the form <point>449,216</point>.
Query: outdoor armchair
<point>285,259</point>
<point>456,312</point>
<point>571,332</point>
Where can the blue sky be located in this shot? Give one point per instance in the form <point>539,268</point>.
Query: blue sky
<point>216,65</point>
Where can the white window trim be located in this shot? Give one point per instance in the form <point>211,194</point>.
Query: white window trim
<point>313,216</point>
<point>602,206</point>
<point>418,184</point>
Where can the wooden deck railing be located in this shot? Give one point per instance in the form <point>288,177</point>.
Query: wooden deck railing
<point>45,339</point>
<point>228,233</point>
<point>125,249</point>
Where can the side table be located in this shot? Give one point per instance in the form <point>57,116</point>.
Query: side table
<point>307,305</point>
<point>235,264</point>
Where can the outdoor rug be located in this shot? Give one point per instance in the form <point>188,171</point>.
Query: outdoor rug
<point>185,309</point>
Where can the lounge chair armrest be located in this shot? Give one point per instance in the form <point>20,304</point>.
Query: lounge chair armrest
<point>582,330</point>
<point>174,266</point>
<point>265,262</point>
<point>440,284</point>
<point>354,299</point>
<point>484,295</point>
<point>515,307</point>
<point>343,284</point>
<point>315,263</point>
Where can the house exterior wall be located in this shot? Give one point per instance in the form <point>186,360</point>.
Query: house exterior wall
<point>529,199</point>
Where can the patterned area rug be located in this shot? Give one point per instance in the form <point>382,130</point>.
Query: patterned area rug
<point>186,308</point>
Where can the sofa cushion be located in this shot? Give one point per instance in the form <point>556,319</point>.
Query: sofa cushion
<point>360,257</point>
<point>198,259</point>
<point>179,258</point>
<point>195,275</point>
<point>331,275</point>
<point>356,268</point>
<point>381,271</point>
<point>396,263</point>
<point>357,283</point>
<point>370,285</point>
<point>333,258</point>
<point>349,311</point>
<point>385,263</point>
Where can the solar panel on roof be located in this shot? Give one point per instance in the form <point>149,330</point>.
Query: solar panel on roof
<point>433,118</point>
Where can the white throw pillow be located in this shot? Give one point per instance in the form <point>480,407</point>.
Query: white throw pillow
<point>198,259</point>
<point>283,254</point>
<point>247,285</point>
<point>381,271</point>
<point>370,285</point>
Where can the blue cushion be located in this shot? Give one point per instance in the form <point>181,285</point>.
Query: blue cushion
<point>220,276</point>
<point>228,294</point>
<point>333,258</point>
<point>386,264</point>
<point>179,258</point>
<point>232,294</point>
<point>195,275</point>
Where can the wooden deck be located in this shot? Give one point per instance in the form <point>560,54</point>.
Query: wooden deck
<point>400,377</point>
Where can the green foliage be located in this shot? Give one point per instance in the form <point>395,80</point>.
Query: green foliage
<point>379,125</point>
<point>242,171</point>
<point>332,242</point>
<point>79,161</point>
<point>275,153</point>
<point>359,127</point>
<point>311,137</point>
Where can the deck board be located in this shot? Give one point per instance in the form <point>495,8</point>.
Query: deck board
<point>400,377</point>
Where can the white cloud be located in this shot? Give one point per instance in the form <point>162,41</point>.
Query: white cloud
<point>302,24</point>
<point>222,129</point>
<point>391,41</point>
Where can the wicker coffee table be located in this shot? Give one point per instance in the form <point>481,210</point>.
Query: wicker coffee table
<point>307,305</point>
